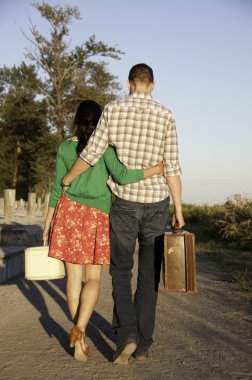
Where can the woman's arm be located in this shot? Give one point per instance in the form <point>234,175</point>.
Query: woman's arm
<point>56,192</point>
<point>125,176</point>
<point>60,171</point>
<point>153,170</point>
<point>48,222</point>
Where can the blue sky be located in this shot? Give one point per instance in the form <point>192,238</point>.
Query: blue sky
<point>200,51</point>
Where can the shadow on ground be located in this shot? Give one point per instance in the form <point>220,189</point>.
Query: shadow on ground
<point>99,330</point>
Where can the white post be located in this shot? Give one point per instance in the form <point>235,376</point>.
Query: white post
<point>39,203</point>
<point>9,203</point>
<point>31,204</point>
<point>21,204</point>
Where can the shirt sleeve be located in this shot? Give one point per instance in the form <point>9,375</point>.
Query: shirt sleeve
<point>98,142</point>
<point>171,156</point>
<point>121,174</point>
<point>60,172</point>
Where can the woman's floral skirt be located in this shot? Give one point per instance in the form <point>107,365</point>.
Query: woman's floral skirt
<point>80,233</point>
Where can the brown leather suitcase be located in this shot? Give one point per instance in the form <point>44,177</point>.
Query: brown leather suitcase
<point>179,264</point>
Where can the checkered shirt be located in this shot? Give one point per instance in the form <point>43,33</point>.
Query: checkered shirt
<point>143,133</point>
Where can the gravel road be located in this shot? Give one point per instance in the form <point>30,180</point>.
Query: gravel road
<point>198,336</point>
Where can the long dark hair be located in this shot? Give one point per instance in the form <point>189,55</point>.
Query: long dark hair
<point>86,118</point>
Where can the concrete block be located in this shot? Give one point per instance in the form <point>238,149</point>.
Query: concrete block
<point>11,262</point>
<point>14,239</point>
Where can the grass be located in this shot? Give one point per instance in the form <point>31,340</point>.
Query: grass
<point>224,232</point>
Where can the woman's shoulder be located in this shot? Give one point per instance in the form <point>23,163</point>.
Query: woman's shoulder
<point>70,141</point>
<point>68,144</point>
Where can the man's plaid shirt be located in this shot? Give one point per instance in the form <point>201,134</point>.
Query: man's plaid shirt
<point>143,133</point>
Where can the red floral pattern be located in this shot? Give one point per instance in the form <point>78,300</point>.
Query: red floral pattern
<point>80,233</point>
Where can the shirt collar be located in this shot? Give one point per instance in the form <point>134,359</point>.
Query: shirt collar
<point>142,95</point>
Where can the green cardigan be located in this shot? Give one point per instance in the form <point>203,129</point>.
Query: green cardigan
<point>91,188</point>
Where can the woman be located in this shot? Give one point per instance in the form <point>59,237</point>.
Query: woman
<point>79,220</point>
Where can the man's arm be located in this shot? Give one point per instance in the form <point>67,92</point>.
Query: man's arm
<point>79,167</point>
<point>173,171</point>
<point>175,188</point>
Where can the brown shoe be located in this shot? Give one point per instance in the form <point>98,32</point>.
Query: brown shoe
<point>121,356</point>
<point>80,353</point>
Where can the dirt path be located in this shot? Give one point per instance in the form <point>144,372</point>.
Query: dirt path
<point>198,336</point>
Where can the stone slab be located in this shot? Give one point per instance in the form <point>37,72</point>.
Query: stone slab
<point>22,235</point>
<point>10,250</point>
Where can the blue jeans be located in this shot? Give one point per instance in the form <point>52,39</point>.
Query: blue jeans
<point>134,318</point>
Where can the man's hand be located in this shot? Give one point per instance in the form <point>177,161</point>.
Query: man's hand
<point>178,220</point>
<point>65,184</point>
<point>79,167</point>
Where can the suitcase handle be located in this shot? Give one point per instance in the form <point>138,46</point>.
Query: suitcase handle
<point>177,230</point>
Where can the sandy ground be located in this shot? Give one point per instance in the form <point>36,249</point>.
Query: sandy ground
<point>198,336</point>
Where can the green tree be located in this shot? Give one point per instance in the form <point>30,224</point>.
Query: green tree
<point>23,126</point>
<point>69,74</point>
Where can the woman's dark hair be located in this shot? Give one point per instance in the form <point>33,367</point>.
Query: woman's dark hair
<point>86,118</point>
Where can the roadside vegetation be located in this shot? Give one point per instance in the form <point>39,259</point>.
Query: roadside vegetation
<point>225,232</point>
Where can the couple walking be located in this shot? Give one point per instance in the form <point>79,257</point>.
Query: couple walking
<point>134,133</point>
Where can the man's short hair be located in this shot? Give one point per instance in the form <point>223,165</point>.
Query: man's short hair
<point>141,73</point>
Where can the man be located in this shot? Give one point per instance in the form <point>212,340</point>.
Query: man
<point>144,133</point>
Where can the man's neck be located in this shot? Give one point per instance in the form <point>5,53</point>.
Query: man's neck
<point>140,94</point>
<point>141,88</point>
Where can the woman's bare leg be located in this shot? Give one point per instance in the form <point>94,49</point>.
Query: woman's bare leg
<point>89,294</point>
<point>73,287</point>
